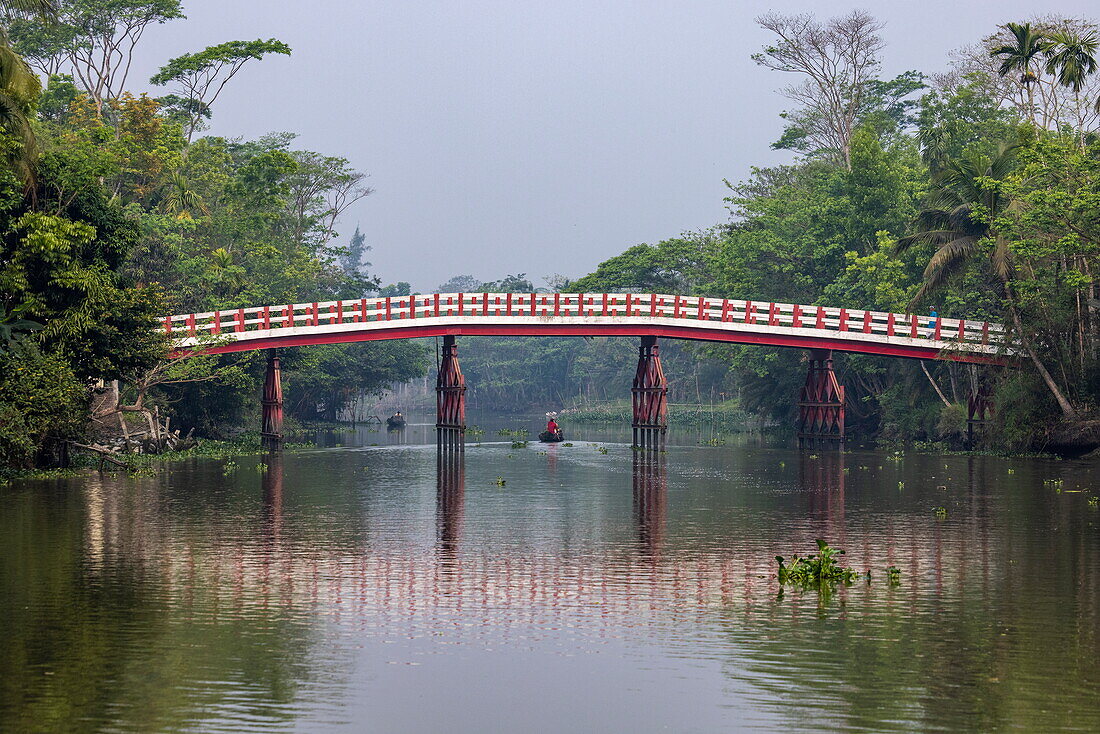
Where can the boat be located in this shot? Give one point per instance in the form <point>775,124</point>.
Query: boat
<point>395,422</point>
<point>548,437</point>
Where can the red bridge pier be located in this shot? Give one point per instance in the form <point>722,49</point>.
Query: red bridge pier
<point>271,429</point>
<point>821,404</point>
<point>649,397</point>
<point>450,394</point>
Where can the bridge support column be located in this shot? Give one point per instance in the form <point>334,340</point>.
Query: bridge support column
<point>271,430</point>
<point>821,404</point>
<point>649,396</point>
<point>978,407</point>
<point>450,394</point>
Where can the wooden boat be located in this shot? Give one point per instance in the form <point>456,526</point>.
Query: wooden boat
<point>547,437</point>
<point>395,422</point>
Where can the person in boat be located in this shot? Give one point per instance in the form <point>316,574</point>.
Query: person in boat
<point>396,420</point>
<point>552,426</point>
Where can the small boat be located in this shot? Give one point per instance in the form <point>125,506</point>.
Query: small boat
<point>395,422</point>
<point>548,437</point>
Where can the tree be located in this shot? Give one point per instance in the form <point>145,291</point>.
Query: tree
<point>962,205</point>
<point>200,77</point>
<point>460,284</point>
<point>94,40</point>
<point>1020,55</point>
<point>1071,56</point>
<point>400,288</point>
<point>321,189</point>
<point>352,260</point>
<point>838,59</point>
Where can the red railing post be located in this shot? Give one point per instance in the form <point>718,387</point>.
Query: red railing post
<point>239,327</point>
<point>217,324</point>
<point>985,333</point>
<point>389,308</point>
<point>557,304</point>
<point>820,317</point>
<point>796,316</point>
<point>912,326</point>
<point>191,326</point>
<point>267,317</point>
<point>890,324</point>
<point>167,324</point>
<point>652,304</point>
<point>748,312</point>
<point>843,319</point>
<point>771,314</point>
<point>702,305</point>
<point>725,309</point>
<point>962,330</point>
<point>936,332</point>
<point>316,314</point>
<point>866,322</point>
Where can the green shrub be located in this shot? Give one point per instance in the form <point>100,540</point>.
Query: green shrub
<point>41,403</point>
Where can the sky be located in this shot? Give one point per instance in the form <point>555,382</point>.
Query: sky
<point>518,136</point>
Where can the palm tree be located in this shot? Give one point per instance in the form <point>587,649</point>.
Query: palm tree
<point>950,222</point>
<point>180,199</point>
<point>1072,57</point>
<point>19,88</point>
<point>1020,55</point>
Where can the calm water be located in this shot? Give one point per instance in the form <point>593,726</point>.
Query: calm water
<point>370,588</point>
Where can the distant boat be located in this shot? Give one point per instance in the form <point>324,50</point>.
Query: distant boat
<point>548,437</point>
<point>395,422</point>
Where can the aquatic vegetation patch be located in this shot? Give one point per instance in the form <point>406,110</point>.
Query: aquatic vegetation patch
<point>520,444</point>
<point>817,569</point>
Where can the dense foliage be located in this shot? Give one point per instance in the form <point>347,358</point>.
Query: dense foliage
<point>112,213</point>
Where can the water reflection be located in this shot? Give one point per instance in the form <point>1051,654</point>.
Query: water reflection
<point>450,497</point>
<point>297,591</point>
<point>650,483</point>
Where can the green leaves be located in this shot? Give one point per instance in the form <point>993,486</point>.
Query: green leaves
<point>212,58</point>
<point>816,570</point>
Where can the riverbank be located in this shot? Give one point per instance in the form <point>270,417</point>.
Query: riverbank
<point>244,444</point>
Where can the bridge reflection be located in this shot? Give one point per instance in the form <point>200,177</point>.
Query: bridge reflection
<point>650,482</point>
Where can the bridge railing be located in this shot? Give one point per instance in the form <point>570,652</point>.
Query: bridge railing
<point>740,314</point>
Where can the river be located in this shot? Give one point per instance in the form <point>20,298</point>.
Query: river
<point>367,586</point>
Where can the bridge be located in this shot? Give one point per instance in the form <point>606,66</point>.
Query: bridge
<point>820,329</point>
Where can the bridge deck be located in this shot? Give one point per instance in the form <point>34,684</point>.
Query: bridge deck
<point>589,314</point>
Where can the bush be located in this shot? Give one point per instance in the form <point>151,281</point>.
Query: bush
<point>41,403</point>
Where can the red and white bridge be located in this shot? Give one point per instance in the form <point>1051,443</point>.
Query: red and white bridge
<point>822,329</point>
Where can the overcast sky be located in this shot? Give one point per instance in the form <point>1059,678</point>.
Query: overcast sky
<point>541,137</point>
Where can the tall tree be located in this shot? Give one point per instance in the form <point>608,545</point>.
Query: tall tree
<point>837,59</point>
<point>200,77</point>
<point>1021,55</point>
<point>94,40</point>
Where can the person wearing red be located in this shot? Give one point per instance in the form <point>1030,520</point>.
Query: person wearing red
<point>552,426</point>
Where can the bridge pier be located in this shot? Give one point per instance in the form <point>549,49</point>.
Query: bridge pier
<point>450,393</point>
<point>979,405</point>
<point>821,404</point>
<point>271,428</point>
<point>649,397</point>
